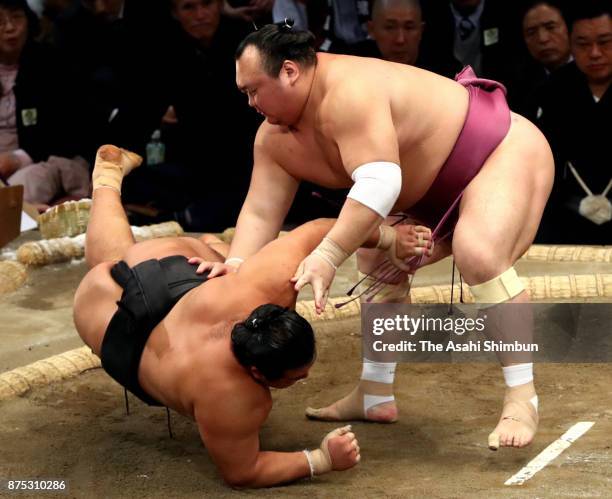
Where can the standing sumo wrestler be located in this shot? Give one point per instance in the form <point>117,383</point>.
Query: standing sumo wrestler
<point>448,153</point>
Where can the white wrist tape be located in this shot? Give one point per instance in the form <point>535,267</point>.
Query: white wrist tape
<point>377,186</point>
<point>238,261</point>
<point>321,460</point>
<point>331,252</point>
<point>309,459</point>
<point>386,237</point>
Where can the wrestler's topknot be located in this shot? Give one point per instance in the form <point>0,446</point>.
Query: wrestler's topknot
<point>273,339</point>
<point>280,42</point>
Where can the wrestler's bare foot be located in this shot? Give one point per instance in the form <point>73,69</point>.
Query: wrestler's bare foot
<point>351,408</point>
<point>112,164</point>
<point>519,419</point>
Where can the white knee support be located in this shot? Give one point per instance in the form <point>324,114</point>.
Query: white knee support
<point>502,288</point>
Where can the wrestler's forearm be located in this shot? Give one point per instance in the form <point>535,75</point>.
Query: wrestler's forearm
<point>356,226</point>
<point>311,233</point>
<point>253,232</point>
<point>274,468</point>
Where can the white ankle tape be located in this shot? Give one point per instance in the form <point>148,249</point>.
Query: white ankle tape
<point>502,288</point>
<point>519,374</point>
<point>372,400</point>
<point>534,402</point>
<point>380,372</point>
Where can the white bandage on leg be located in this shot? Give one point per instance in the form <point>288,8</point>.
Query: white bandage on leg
<point>111,165</point>
<point>370,401</point>
<point>502,288</point>
<point>518,374</point>
<point>379,372</point>
<point>377,186</point>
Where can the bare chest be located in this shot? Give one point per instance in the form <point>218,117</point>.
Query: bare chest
<point>309,155</point>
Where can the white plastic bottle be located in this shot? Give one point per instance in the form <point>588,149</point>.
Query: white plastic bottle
<point>156,150</point>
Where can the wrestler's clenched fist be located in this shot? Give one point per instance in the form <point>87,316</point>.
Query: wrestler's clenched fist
<point>339,451</point>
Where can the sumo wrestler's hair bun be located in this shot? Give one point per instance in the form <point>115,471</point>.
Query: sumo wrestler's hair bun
<point>286,25</point>
<point>273,339</point>
<point>279,42</point>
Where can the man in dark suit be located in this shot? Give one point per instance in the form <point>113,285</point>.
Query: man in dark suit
<point>547,42</point>
<point>477,33</point>
<point>576,118</point>
<point>395,30</point>
<point>107,43</point>
<point>202,181</point>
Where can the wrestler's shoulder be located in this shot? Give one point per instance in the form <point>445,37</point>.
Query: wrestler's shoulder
<point>271,137</point>
<point>236,395</point>
<point>352,79</point>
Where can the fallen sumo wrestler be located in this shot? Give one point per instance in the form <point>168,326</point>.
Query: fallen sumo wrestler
<point>208,349</point>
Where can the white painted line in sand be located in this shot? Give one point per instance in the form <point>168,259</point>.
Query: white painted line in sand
<point>550,453</point>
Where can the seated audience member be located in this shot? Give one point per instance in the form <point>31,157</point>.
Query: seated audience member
<point>207,167</point>
<point>51,10</point>
<point>476,33</point>
<point>253,12</point>
<point>576,117</point>
<point>338,24</point>
<point>291,9</point>
<point>547,41</point>
<point>395,32</point>
<point>38,140</point>
<point>110,45</point>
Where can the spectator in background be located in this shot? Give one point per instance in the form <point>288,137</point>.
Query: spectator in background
<point>395,32</point>
<point>547,41</point>
<point>577,120</point>
<point>478,33</point>
<point>291,9</point>
<point>51,10</point>
<point>38,123</point>
<point>111,45</point>
<point>545,34</point>
<point>338,24</point>
<point>253,12</point>
<point>207,168</point>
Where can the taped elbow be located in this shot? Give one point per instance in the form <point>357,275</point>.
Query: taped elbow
<point>377,186</point>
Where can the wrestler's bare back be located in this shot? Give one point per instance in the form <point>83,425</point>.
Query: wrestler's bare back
<point>188,357</point>
<point>427,113</point>
<point>190,348</point>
